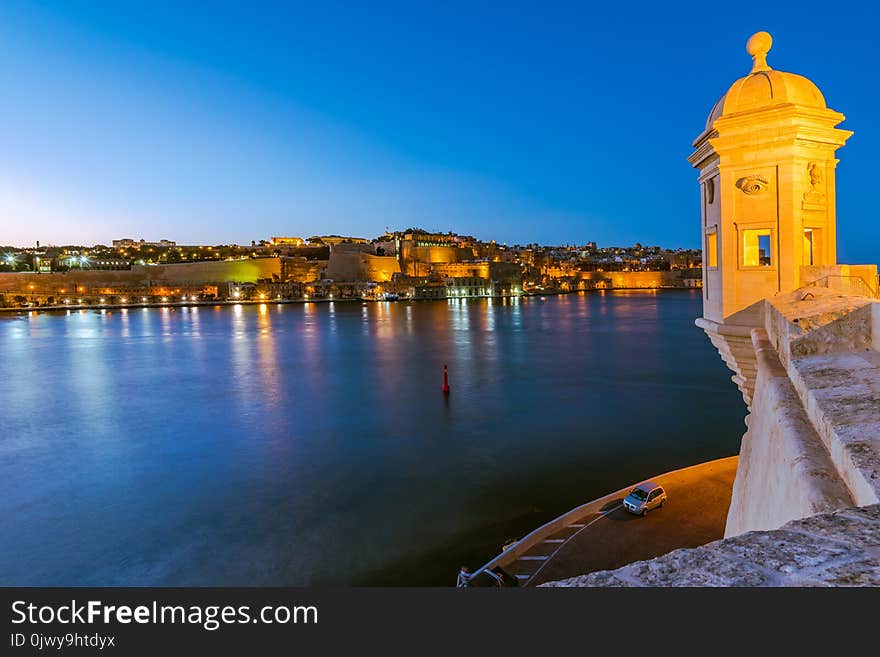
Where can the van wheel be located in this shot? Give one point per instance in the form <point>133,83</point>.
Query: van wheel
<point>662,503</point>
<point>645,511</point>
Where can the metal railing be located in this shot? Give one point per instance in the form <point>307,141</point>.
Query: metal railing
<point>851,285</point>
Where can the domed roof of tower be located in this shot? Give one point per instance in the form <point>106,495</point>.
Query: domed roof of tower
<point>765,87</point>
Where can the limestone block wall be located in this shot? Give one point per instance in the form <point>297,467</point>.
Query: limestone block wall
<point>824,323</point>
<point>300,270</point>
<point>634,279</point>
<point>360,266</point>
<point>378,268</point>
<point>813,442</point>
<point>875,326</point>
<point>841,395</point>
<point>784,472</point>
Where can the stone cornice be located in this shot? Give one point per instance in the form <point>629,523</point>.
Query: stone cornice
<point>777,126</point>
<point>704,149</point>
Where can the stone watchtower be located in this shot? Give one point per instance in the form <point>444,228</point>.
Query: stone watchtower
<point>766,162</point>
<point>767,178</point>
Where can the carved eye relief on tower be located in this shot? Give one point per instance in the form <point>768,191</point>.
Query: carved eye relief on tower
<point>752,184</point>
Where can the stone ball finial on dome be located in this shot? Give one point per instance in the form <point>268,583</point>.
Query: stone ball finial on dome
<point>758,46</point>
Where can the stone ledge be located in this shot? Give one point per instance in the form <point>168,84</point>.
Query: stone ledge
<point>830,549</point>
<point>841,394</point>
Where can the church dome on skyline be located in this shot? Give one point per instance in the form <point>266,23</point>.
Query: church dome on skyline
<point>765,87</point>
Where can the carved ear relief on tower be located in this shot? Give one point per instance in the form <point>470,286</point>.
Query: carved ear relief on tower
<point>814,196</point>
<point>815,174</point>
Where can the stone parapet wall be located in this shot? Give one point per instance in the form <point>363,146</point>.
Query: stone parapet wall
<point>841,395</point>
<point>813,442</point>
<point>818,321</point>
<point>828,345</point>
<point>784,471</point>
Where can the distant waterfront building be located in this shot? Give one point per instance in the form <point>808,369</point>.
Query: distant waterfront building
<point>104,262</point>
<point>425,291</point>
<point>286,241</point>
<point>42,263</point>
<point>333,240</point>
<point>470,286</point>
<point>417,250</point>
<point>128,243</point>
<point>243,291</point>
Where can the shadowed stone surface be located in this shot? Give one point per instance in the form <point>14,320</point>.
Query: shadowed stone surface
<point>830,549</point>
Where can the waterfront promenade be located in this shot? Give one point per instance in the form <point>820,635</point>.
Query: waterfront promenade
<point>602,535</point>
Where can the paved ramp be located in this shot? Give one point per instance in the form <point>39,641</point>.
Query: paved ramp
<point>601,535</point>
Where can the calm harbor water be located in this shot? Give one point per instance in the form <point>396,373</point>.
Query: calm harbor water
<point>310,444</point>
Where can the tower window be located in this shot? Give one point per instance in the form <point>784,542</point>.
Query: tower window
<point>712,249</point>
<point>756,248</point>
<point>808,246</point>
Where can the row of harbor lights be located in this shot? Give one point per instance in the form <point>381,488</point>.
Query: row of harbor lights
<point>124,300</point>
<point>236,295</point>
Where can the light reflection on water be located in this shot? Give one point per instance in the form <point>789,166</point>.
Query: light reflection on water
<point>310,444</point>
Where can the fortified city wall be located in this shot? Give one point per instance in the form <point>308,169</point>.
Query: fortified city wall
<point>636,279</point>
<point>352,262</point>
<point>183,274</point>
<point>300,270</point>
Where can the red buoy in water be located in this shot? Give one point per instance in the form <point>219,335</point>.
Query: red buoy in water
<point>445,381</point>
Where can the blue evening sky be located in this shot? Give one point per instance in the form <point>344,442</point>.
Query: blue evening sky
<point>209,122</point>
